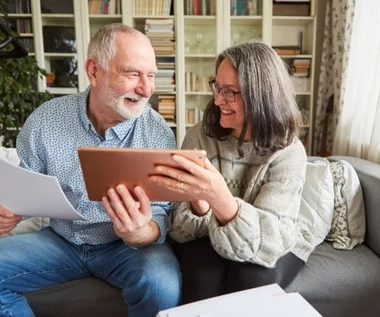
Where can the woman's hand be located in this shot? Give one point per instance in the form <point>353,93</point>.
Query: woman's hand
<point>199,183</point>
<point>200,207</point>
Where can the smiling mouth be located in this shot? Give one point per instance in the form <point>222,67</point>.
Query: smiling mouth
<point>226,111</point>
<point>132,99</point>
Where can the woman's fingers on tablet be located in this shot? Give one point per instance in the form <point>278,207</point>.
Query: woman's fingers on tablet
<point>168,182</point>
<point>171,178</point>
<point>189,165</point>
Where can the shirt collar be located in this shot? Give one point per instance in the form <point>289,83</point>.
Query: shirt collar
<point>83,109</point>
<point>120,130</point>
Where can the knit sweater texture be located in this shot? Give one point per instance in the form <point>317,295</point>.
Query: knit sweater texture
<point>268,191</point>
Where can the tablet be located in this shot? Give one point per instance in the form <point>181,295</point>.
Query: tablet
<point>104,168</point>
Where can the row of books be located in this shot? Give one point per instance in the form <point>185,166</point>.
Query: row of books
<point>161,35</point>
<point>152,7</point>
<point>200,7</point>
<point>163,46</point>
<point>287,49</point>
<point>245,7</point>
<point>294,8</point>
<point>300,67</point>
<point>193,115</point>
<point>159,28</point>
<point>18,6</point>
<point>28,42</point>
<point>19,25</point>
<point>165,80</point>
<point>195,82</point>
<point>165,63</point>
<point>166,107</point>
<point>104,7</point>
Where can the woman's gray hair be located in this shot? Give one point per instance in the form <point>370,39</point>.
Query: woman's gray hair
<point>102,45</point>
<point>270,107</point>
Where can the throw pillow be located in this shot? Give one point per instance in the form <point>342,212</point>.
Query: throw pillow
<point>317,202</point>
<point>9,155</point>
<point>348,224</point>
<point>28,225</point>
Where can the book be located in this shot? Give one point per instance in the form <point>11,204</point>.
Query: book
<point>287,50</point>
<point>291,9</point>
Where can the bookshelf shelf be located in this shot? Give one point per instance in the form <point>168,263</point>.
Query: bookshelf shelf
<point>196,56</point>
<point>166,92</point>
<point>144,17</point>
<point>198,18</point>
<point>298,56</point>
<point>52,55</point>
<point>255,19</point>
<point>292,20</point>
<point>196,93</point>
<point>62,91</point>
<point>105,17</point>
<point>20,15</point>
<point>62,18</point>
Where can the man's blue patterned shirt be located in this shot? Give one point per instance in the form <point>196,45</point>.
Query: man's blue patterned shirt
<point>48,144</point>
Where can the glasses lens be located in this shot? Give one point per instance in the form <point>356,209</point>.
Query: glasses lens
<point>214,88</point>
<point>229,95</point>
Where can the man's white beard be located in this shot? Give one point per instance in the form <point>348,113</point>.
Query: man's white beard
<point>118,103</point>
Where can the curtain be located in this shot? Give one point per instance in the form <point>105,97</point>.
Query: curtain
<point>358,131</point>
<point>336,47</point>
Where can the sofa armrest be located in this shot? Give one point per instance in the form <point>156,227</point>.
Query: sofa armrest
<point>369,176</point>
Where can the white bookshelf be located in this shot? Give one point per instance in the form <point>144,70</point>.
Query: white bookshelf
<point>219,30</point>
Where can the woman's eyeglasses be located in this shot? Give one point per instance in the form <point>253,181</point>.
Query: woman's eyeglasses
<point>227,93</point>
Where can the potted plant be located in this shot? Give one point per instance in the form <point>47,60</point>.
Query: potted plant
<point>19,95</point>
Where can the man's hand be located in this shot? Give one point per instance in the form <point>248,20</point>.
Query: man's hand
<point>8,220</point>
<point>132,220</point>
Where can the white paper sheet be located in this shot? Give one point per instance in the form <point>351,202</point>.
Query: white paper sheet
<point>31,194</point>
<point>265,301</point>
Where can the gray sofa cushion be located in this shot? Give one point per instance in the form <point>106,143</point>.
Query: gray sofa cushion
<point>340,283</point>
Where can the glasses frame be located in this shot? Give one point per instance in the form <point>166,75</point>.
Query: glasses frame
<point>215,89</point>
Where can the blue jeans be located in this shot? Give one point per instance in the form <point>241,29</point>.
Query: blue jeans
<point>150,277</point>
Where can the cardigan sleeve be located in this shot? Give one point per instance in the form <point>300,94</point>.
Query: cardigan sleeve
<point>265,229</point>
<point>185,225</point>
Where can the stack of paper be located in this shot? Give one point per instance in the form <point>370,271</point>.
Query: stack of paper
<point>266,301</point>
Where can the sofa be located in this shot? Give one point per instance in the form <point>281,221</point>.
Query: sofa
<point>335,282</point>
